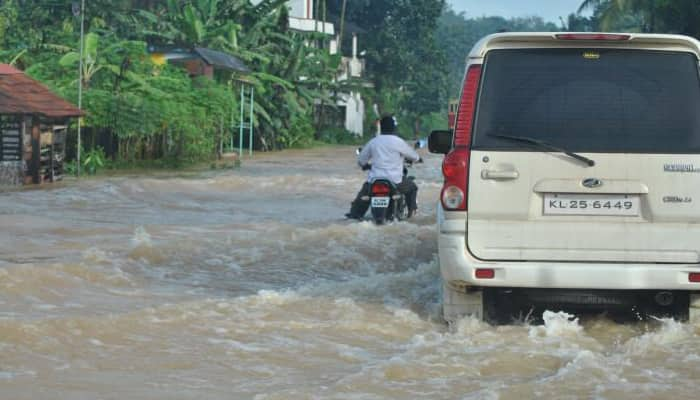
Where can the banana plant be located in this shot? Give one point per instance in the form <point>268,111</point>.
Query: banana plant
<point>96,58</point>
<point>91,64</point>
<point>197,23</point>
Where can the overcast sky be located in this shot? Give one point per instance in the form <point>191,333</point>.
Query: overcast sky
<point>550,10</point>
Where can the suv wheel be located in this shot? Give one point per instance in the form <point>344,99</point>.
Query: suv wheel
<point>457,304</point>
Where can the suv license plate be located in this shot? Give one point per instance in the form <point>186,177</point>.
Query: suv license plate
<point>381,202</point>
<point>625,205</point>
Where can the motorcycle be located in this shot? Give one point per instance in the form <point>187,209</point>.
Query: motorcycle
<point>387,202</point>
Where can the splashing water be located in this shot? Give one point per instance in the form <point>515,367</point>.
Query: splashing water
<point>557,324</point>
<point>249,284</point>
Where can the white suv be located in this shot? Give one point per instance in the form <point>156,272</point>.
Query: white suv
<point>572,177</point>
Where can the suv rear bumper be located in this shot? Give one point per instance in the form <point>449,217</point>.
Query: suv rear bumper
<point>458,266</point>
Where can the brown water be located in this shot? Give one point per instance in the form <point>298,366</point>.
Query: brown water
<point>248,284</point>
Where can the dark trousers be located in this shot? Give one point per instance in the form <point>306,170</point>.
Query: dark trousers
<point>359,207</point>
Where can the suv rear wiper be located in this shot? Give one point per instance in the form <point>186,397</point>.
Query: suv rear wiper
<point>548,146</point>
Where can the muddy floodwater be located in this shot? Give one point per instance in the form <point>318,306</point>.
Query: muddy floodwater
<point>249,284</point>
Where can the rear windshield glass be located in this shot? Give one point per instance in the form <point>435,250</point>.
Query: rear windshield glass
<point>597,100</point>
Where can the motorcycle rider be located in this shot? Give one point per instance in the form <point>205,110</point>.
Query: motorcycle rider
<point>386,153</point>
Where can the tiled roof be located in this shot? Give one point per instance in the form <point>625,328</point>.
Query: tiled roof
<point>7,69</point>
<point>20,94</point>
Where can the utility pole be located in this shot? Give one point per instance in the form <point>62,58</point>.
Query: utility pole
<point>342,27</point>
<point>80,77</point>
<point>316,14</point>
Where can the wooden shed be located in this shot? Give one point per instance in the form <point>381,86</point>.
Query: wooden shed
<point>33,126</point>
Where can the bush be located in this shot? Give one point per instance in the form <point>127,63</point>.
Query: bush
<point>94,160</point>
<point>300,133</point>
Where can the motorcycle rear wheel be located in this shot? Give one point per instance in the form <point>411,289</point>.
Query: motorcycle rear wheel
<point>400,209</point>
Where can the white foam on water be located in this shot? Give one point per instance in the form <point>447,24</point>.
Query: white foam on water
<point>470,325</point>
<point>583,359</point>
<point>235,267</point>
<point>141,238</point>
<point>352,354</point>
<point>406,316</point>
<point>128,293</point>
<point>274,298</point>
<point>236,345</point>
<point>669,334</point>
<point>7,375</point>
<point>557,324</point>
<point>214,262</point>
<point>143,248</point>
<point>397,291</point>
<point>62,367</point>
<point>486,394</point>
<point>45,307</point>
<point>96,255</point>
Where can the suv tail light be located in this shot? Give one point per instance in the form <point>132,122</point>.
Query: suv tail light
<point>484,273</point>
<point>380,189</point>
<point>592,36</point>
<point>455,167</point>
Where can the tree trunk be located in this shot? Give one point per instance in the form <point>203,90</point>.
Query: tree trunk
<point>416,129</point>
<point>342,27</point>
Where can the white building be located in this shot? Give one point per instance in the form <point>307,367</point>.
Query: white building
<point>352,67</point>
<point>301,18</point>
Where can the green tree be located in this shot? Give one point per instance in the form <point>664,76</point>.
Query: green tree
<point>661,16</point>
<point>459,34</point>
<point>399,36</point>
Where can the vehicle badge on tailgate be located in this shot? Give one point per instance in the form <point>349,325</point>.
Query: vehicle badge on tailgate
<point>681,167</point>
<point>591,55</point>
<point>592,183</point>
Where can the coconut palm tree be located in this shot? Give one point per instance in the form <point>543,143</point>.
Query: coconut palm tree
<point>611,12</point>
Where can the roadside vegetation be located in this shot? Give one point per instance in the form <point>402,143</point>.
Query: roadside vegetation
<point>141,112</point>
<point>457,32</point>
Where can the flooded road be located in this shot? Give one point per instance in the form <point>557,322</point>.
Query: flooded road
<point>249,284</point>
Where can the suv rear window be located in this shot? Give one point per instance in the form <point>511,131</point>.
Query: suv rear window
<point>590,100</point>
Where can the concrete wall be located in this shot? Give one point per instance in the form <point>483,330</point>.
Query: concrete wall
<point>11,173</point>
<point>310,25</point>
<point>301,8</point>
<point>354,112</point>
<point>297,8</point>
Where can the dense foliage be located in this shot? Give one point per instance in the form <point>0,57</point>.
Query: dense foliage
<point>459,34</point>
<point>405,62</point>
<point>138,109</point>
<point>657,16</point>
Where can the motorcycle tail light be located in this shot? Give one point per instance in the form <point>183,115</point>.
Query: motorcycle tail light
<point>380,189</point>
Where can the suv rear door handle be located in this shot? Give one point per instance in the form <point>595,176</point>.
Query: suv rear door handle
<point>500,175</point>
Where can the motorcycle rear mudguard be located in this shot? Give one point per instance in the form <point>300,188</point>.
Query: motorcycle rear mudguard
<point>380,214</point>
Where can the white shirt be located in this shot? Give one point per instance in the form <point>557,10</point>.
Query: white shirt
<point>387,153</point>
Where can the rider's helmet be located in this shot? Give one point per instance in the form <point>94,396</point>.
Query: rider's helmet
<point>388,125</point>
